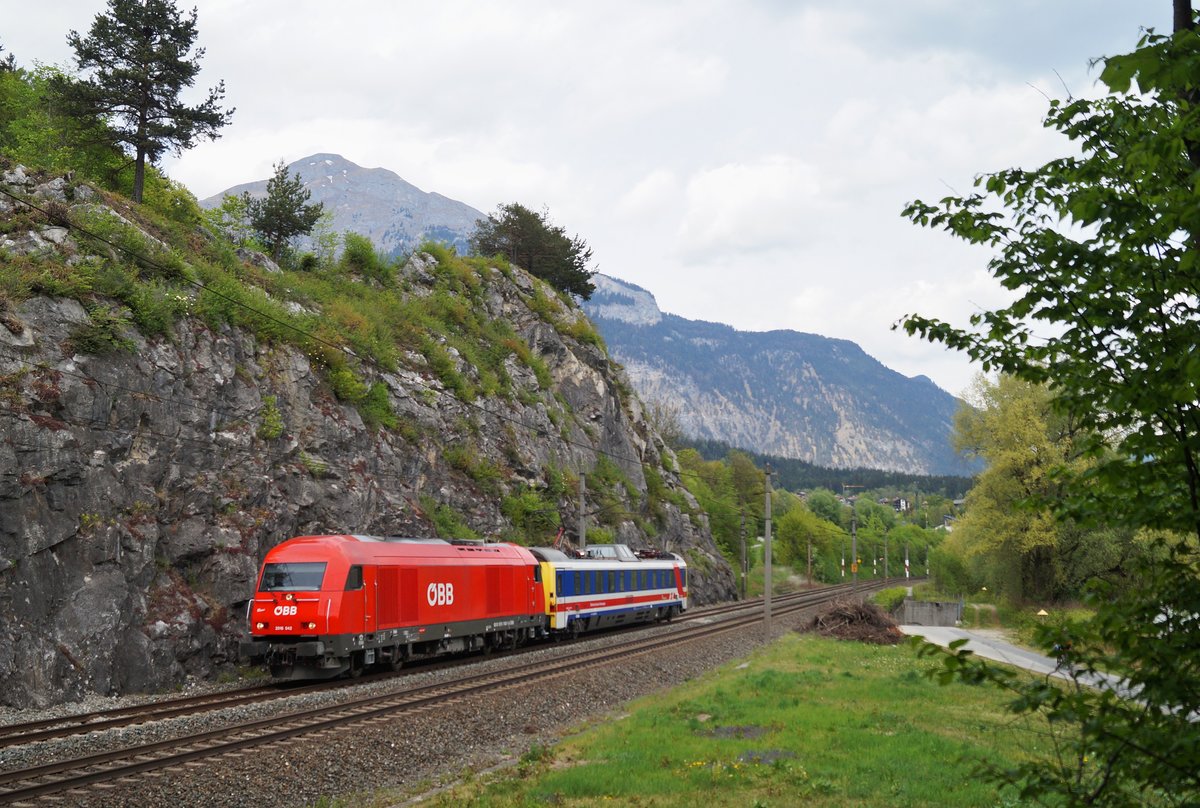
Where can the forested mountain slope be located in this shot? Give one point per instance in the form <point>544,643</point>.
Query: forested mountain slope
<point>781,393</point>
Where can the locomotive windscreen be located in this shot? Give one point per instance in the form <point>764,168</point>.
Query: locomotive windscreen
<point>298,575</point>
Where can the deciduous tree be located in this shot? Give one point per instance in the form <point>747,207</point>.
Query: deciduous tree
<point>139,58</point>
<point>1103,252</point>
<point>8,63</point>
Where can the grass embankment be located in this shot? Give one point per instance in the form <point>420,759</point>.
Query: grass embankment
<point>807,721</point>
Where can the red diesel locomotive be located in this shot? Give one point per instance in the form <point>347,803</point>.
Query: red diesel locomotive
<point>328,605</point>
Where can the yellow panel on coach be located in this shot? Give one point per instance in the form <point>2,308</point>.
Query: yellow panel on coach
<point>550,593</point>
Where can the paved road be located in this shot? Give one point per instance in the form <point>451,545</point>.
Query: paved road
<point>992,645</point>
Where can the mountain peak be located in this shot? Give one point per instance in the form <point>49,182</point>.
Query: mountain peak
<point>781,392</point>
<point>619,300</point>
<point>375,202</point>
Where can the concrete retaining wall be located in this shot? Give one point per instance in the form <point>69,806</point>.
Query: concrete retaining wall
<point>930,613</point>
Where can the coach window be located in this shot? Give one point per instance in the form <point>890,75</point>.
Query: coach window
<point>354,580</point>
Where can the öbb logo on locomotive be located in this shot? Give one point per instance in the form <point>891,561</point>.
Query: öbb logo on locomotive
<point>328,605</point>
<point>440,594</point>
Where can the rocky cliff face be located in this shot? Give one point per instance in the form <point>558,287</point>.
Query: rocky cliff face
<point>140,487</point>
<point>781,393</point>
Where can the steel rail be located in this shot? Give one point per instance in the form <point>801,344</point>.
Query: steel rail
<point>214,743</point>
<point>116,717</point>
<point>99,720</point>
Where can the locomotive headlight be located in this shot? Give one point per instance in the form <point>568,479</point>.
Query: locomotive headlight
<point>308,625</point>
<point>289,596</point>
<point>260,626</point>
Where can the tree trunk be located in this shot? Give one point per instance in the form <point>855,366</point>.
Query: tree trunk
<point>139,175</point>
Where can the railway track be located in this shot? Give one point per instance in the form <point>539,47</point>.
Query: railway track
<point>115,718</point>
<point>94,770</point>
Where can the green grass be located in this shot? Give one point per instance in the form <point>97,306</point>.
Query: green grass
<point>808,721</point>
<point>783,579</point>
<point>889,599</point>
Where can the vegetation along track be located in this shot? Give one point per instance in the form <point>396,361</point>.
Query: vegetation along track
<point>87,770</point>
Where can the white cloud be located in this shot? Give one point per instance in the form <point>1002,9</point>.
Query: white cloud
<point>747,207</point>
<point>651,194</point>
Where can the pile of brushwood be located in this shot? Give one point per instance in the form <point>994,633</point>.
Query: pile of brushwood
<point>854,620</point>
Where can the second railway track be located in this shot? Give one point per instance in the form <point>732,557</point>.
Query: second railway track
<point>85,771</point>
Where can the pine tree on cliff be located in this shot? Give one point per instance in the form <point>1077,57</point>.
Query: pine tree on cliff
<point>140,58</point>
<point>284,213</point>
<point>528,240</point>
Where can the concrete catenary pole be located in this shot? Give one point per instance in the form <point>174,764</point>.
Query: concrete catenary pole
<point>582,511</point>
<point>767,560</point>
<point>745,569</point>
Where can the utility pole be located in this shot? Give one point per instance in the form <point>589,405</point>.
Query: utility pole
<point>767,561</point>
<point>853,535</point>
<point>582,511</point>
<point>885,559</point>
<point>853,544</point>
<point>745,569</point>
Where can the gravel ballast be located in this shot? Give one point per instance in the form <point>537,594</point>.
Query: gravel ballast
<point>412,752</point>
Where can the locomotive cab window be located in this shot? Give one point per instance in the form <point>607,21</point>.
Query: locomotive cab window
<point>294,576</point>
<point>354,579</point>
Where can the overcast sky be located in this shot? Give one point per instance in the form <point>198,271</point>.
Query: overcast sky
<point>746,162</point>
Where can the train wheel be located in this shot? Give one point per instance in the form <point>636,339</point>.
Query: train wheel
<point>356,664</point>
<point>397,661</point>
